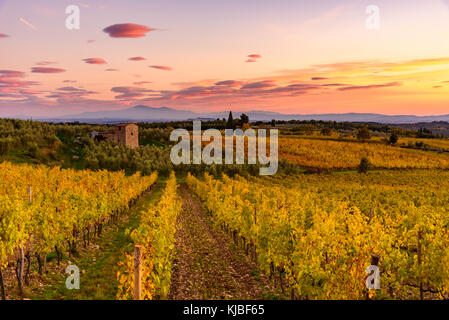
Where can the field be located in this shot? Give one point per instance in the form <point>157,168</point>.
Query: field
<point>318,232</point>
<point>330,154</point>
<point>53,219</point>
<point>45,210</point>
<point>438,144</point>
<point>207,235</point>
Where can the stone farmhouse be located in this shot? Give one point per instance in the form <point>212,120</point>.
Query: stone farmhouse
<point>123,133</point>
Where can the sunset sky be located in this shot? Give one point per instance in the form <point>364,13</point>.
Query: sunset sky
<point>292,56</point>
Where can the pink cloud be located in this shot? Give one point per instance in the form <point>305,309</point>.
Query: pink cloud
<point>228,89</point>
<point>2,35</point>
<point>251,60</point>
<point>111,70</point>
<point>139,83</point>
<point>9,81</point>
<point>69,89</point>
<point>45,63</point>
<point>94,61</point>
<point>130,92</point>
<point>333,85</point>
<point>137,58</point>
<point>259,85</point>
<point>29,91</point>
<point>319,78</point>
<point>293,89</point>
<point>14,83</point>
<point>11,74</point>
<point>127,30</point>
<point>46,70</point>
<point>254,56</point>
<point>69,81</point>
<point>196,92</point>
<point>90,41</point>
<point>230,83</point>
<point>166,68</point>
<point>371,86</point>
<point>69,93</point>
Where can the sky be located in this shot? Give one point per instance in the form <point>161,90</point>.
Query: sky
<point>295,56</point>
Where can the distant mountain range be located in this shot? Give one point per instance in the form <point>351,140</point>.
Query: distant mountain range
<point>150,114</point>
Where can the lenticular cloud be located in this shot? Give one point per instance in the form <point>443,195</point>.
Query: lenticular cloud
<point>46,70</point>
<point>137,58</point>
<point>166,68</point>
<point>127,30</point>
<point>94,61</point>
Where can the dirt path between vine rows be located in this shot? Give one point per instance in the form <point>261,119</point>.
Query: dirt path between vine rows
<point>207,264</point>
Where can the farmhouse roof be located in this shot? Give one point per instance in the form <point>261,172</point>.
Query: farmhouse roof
<point>124,124</point>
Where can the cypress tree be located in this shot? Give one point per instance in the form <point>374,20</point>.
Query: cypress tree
<point>230,124</point>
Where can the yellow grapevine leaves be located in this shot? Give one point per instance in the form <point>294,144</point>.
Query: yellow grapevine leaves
<point>321,230</point>
<point>156,233</point>
<point>64,202</point>
<point>327,154</point>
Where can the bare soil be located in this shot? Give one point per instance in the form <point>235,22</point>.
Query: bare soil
<point>207,264</point>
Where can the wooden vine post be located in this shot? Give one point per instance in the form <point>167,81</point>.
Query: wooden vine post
<point>2,284</point>
<point>20,271</point>
<point>255,223</point>
<point>137,272</point>
<point>421,289</point>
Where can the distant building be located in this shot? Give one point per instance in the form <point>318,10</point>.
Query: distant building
<point>93,134</point>
<point>124,133</point>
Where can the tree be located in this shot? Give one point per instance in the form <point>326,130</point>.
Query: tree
<point>393,138</point>
<point>424,133</point>
<point>230,124</point>
<point>307,128</point>
<point>273,123</point>
<point>243,119</point>
<point>364,134</point>
<point>326,131</point>
<point>364,165</point>
<point>5,145</point>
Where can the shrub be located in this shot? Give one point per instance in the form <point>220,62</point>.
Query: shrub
<point>364,165</point>
<point>364,134</point>
<point>5,145</point>
<point>393,138</point>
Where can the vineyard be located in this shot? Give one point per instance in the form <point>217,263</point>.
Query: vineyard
<point>327,154</point>
<point>156,233</point>
<point>311,236</point>
<point>317,234</point>
<point>48,209</point>
<point>224,159</point>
